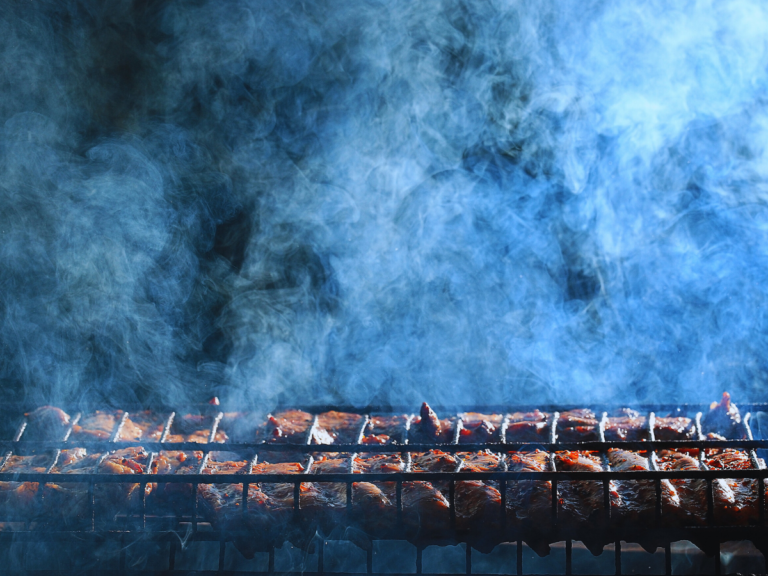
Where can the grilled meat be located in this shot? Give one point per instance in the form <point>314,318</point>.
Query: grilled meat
<point>692,493</point>
<point>581,502</point>
<point>478,503</point>
<point>147,426</point>
<point>577,426</point>
<point>529,502</point>
<point>480,428</point>
<point>194,428</point>
<point>741,506</point>
<point>385,430</point>
<point>98,425</point>
<point>426,511</point>
<point>528,427</point>
<point>67,502</point>
<point>427,428</point>
<point>47,423</point>
<point>626,424</point>
<point>341,427</point>
<point>20,498</point>
<point>723,419</point>
<point>290,427</point>
<point>375,503</point>
<point>222,505</point>
<point>638,497</point>
<point>674,428</point>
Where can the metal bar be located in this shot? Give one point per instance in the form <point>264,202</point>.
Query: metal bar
<point>399,499</point>
<point>668,559</point>
<point>419,559</point>
<point>569,556</point>
<point>617,557</point>
<point>554,501</point>
<point>222,552</point>
<point>215,427</point>
<point>321,557</point>
<point>718,563</point>
<point>468,560</point>
<point>519,558</point>
<point>118,427</point>
<point>452,503</point>
<point>172,555</point>
<point>369,559</point>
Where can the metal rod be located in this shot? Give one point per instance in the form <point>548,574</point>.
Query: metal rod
<point>452,503</point>
<point>369,559</point>
<point>468,560</point>
<point>668,559</point>
<point>519,557</point>
<point>718,565</point>
<point>321,557</point>
<point>419,559</point>
<point>569,556</point>
<point>222,552</point>
<point>617,557</point>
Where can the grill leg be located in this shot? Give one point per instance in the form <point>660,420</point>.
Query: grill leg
<point>668,559</point>
<point>469,560</point>
<point>569,556</point>
<point>419,550</point>
<point>519,557</point>
<point>718,567</point>
<point>617,556</point>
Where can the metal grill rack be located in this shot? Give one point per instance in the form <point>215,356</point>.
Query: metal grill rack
<point>143,525</point>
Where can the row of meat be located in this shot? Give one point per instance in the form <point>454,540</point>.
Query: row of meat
<point>723,420</point>
<point>425,512</point>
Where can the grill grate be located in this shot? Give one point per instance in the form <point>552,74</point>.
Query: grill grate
<point>141,526</point>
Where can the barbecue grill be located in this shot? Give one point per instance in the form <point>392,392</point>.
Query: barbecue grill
<point>146,525</point>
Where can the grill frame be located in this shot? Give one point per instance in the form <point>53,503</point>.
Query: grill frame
<point>141,529</point>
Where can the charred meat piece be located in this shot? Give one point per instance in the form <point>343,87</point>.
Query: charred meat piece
<point>478,503</point>
<point>174,496</point>
<point>242,427</point>
<point>19,499</point>
<point>723,420</point>
<point>674,428</point>
<point>626,424</point>
<point>280,502</point>
<point>529,427</point>
<point>529,502</point>
<point>46,423</point>
<point>222,505</point>
<point>194,428</point>
<point>427,428</point>
<point>375,503</point>
<point>426,510</point>
<point>289,427</point>
<point>480,428</point>
<point>577,426</point>
<point>323,504</point>
<point>67,503</point>
<point>98,425</point>
<point>385,430</point>
<point>692,493</point>
<point>341,427</point>
<point>147,426</point>
<point>581,504</point>
<point>114,498</point>
<point>638,497</point>
<point>742,507</point>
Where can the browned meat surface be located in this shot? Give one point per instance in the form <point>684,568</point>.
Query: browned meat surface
<point>478,503</point>
<point>723,419</point>
<point>147,426</point>
<point>194,428</point>
<point>97,425</point>
<point>426,510</point>
<point>479,428</point>
<point>243,427</point>
<point>375,504</point>
<point>626,424</point>
<point>67,502</point>
<point>528,427</point>
<point>385,430</point>
<point>341,427</point>
<point>577,426</point>
<point>581,502</point>
<point>741,506</point>
<point>427,428</point>
<point>287,427</point>
<point>692,493</point>
<point>46,423</point>
<point>20,498</point>
<point>175,496</point>
<point>324,504</point>
<point>121,497</point>
<point>674,428</point>
<point>529,502</point>
<point>638,497</point>
<point>222,506</point>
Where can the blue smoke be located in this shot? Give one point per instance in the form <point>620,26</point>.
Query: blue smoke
<point>473,202</point>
